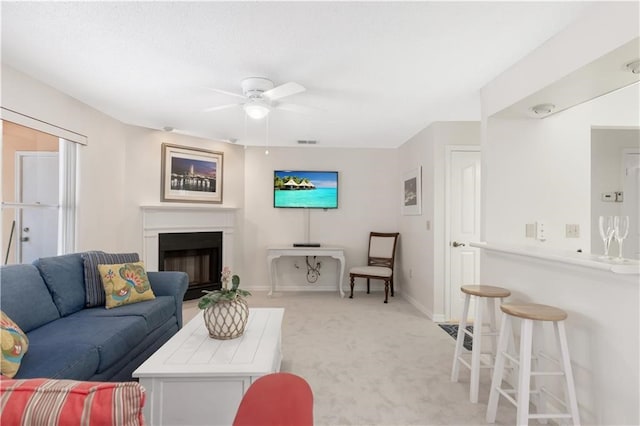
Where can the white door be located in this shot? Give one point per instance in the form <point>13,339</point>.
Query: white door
<point>631,205</point>
<point>464,226</point>
<point>37,185</point>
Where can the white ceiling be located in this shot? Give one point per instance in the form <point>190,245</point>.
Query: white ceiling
<point>378,72</point>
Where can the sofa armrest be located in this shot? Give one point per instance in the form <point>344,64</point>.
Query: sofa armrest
<point>70,402</point>
<point>170,283</point>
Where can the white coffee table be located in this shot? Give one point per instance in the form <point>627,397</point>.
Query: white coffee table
<point>196,380</point>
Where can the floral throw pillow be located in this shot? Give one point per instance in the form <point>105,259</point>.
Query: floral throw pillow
<point>14,345</point>
<point>125,283</point>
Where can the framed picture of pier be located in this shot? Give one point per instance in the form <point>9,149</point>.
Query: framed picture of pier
<point>412,192</point>
<point>191,175</point>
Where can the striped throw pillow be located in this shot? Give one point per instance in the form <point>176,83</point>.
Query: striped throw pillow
<point>70,402</point>
<point>92,281</point>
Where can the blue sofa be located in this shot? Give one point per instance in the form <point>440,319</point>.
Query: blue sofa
<point>68,340</point>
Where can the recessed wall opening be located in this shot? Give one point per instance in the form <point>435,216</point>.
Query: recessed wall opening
<point>199,254</point>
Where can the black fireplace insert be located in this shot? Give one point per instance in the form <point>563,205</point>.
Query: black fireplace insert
<point>199,254</point>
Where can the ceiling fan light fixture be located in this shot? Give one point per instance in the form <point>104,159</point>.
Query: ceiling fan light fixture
<point>257,109</point>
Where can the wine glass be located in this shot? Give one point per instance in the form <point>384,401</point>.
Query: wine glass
<point>621,230</point>
<point>606,227</point>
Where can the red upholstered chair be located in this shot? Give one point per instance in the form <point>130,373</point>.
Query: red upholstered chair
<point>278,399</point>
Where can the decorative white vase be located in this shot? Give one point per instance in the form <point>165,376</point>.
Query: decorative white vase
<point>226,319</point>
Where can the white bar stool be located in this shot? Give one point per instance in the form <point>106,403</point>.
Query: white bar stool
<point>531,313</point>
<point>488,294</point>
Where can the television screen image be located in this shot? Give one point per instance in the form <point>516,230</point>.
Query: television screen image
<point>305,189</point>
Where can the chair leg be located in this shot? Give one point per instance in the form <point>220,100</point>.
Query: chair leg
<point>392,295</point>
<point>570,390</point>
<point>504,340</point>
<point>386,291</point>
<point>455,370</point>
<point>524,374</point>
<point>352,283</point>
<point>368,290</point>
<point>476,350</point>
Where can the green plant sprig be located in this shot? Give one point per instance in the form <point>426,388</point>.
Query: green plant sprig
<point>213,297</point>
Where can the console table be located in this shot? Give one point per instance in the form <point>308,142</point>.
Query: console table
<point>274,253</point>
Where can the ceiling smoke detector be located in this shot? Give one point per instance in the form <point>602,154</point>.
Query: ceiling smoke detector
<point>543,109</point>
<point>634,66</point>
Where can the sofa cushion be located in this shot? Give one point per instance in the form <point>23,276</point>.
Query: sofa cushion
<point>64,276</point>
<point>69,402</point>
<point>112,336</point>
<point>125,283</point>
<point>14,345</point>
<point>25,297</point>
<point>78,361</point>
<point>155,312</point>
<point>94,290</point>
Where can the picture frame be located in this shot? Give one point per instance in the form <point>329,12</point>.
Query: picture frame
<point>412,192</point>
<point>191,175</point>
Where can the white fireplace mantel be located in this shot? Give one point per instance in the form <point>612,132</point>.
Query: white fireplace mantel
<point>172,218</point>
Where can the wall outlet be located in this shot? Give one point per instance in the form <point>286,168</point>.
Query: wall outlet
<point>572,230</point>
<point>428,225</point>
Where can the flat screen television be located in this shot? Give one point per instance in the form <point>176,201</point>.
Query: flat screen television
<point>305,189</point>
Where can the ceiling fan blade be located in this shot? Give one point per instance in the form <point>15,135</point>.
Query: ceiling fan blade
<point>297,108</point>
<point>286,89</point>
<point>224,92</point>
<point>218,108</point>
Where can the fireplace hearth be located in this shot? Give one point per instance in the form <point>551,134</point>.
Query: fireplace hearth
<point>199,254</point>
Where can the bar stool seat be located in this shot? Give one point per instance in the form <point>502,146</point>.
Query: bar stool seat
<point>534,311</point>
<point>485,291</point>
<point>530,314</point>
<point>482,293</point>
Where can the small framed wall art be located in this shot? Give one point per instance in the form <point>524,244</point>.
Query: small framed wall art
<point>412,192</point>
<point>191,175</point>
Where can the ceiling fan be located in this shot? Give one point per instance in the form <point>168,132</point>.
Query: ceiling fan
<point>259,96</point>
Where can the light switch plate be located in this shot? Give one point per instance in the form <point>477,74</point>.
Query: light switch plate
<point>530,230</point>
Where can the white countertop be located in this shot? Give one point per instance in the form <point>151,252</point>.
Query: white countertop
<point>627,266</point>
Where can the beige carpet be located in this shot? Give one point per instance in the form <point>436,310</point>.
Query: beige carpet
<point>373,364</point>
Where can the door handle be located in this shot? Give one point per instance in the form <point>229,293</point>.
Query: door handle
<point>457,244</point>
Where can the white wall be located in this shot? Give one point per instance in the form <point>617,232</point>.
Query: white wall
<point>423,250</point>
<point>369,200</point>
<point>602,27</point>
<point>540,170</point>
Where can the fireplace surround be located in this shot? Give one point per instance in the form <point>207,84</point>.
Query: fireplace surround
<point>175,223</point>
